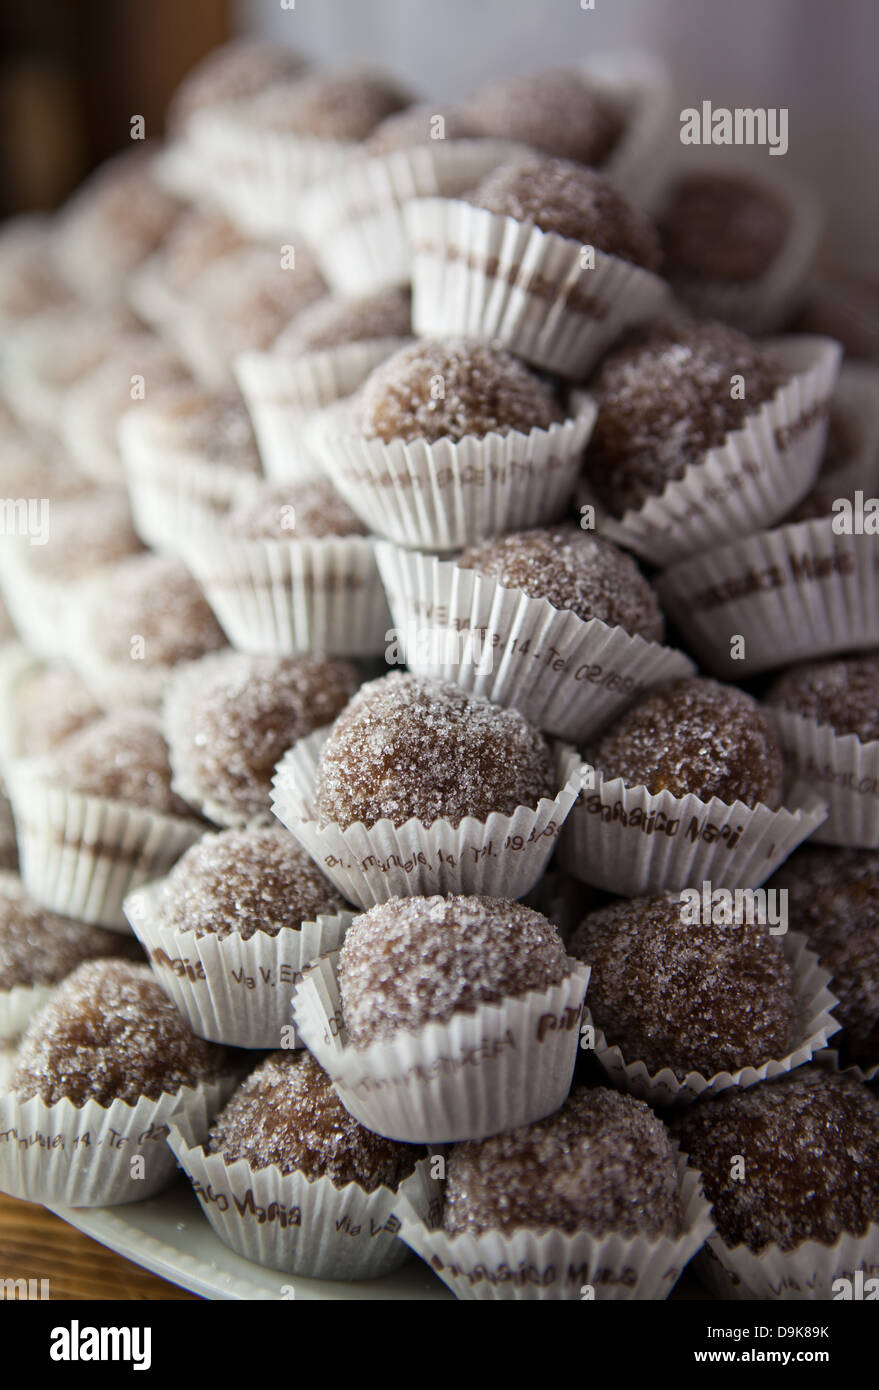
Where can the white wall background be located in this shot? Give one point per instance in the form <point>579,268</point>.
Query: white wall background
<point>820,58</point>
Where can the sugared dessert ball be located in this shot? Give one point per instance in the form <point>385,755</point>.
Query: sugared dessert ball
<point>196,240</point>
<point>86,533</point>
<point>833,898</point>
<point>843,693</point>
<point>123,757</point>
<point>722,227</point>
<point>333,321</point>
<point>572,201</point>
<point>343,106</point>
<point>408,748</point>
<point>306,508</point>
<point>51,703</point>
<point>698,736</point>
<point>230,72</point>
<point>412,961</point>
<point>452,387</point>
<point>557,112</point>
<point>689,996</point>
<point>811,1147</point>
<point>574,571</point>
<point>39,947</point>
<point>603,1163</point>
<point>154,598</point>
<point>199,425</point>
<point>241,882</point>
<point>243,714</point>
<point>287,1115</point>
<point>420,125</point>
<point>109,1032</point>
<point>245,299</point>
<point>665,400</point>
<point>29,278</point>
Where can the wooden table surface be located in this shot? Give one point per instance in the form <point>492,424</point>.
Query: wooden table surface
<point>36,1244</point>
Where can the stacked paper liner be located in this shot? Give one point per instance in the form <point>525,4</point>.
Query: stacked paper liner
<point>775,598</point>
<point>478,1073</point>
<point>808,1272</point>
<point>628,841</point>
<point>813,1025</point>
<point>41,608</point>
<point>502,856</point>
<point>281,596</point>
<point>843,769</point>
<point>232,989</point>
<point>283,393</point>
<point>303,1226</point>
<point>484,275</point>
<point>81,855</point>
<point>16,663</point>
<point>829,1057</point>
<point>547,1264</point>
<point>568,676</point>
<point>446,495</point>
<point>757,475</point>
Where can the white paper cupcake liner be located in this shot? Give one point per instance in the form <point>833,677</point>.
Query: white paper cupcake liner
<point>173,494</point>
<point>307,1227</point>
<point>808,1272</point>
<point>787,595</point>
<point>81,855</point>
<point>281,596</point>
<point>640,164</point>
<point>113,684</point>
<point>763,304</point>
<point>230,989</point>
<point>476,1074</point>
<point>568,676</point>
<point>548,1264</point>
<point>40,608</point>
<point>756,476</point>
<point>446,495</point>
<point>484,275</point>
<point>829,1057</point>
<point>62,1155</point>
<point>17,1007</point>
<point>629,842</point>
<point>353,220</point>
<point>502,856</point>
<point>283,392</point>
<point>16,662</point>
<point>857,399</point>
<point>843,769</point>
<point>151,297</point>
<point>813,1025</point>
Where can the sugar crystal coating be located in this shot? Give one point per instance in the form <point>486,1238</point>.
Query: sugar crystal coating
<point>113,221</point>
<point>50,704</point>
<point>833,898</point>
<point>556,112</point>
<point>843,693</point>
<point>196,240</point>
<point>603,1163</point>
<point>307,507</point>
<point>811,1148</point>
<point>698,736</point>
<point>244,881</point>
<point>244,300</point>
<point>689,996</point>
<point>572,201</point>
<point>123,757</point>
<point>345,106</point>
<point>153,597</point>
<point>665,400</point>
<point>406,747</point>
<point>230,72</point>
<point>211,428</point>
<point>412,961</point>
<point>39,947</point>
<point>245,712</point>
<point>572,570</point>
<point>286,1114</point>
<point>110,1032</point>
<point>86,533</point>
<point>452,387</point>
<point>29,279</point>
<point>334,321</point>
<point>722,227</point>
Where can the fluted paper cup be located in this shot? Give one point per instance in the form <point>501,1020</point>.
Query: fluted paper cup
<point>568,676</point>
<point>549,1264</point>
<point>813,1025</point>
<point>842,768</point>
<point>303,1226</point>
<point>16,663</point>
<point>811,1271</point>
<point>829,1057</point>
<point>283,392</point>
<point>449,494</point>
<point>478,1073</point>
<point>41,608</point>
<point>751,480</point>
<point>232,989</point>
<point>629,842</point>
<point>484,275</point>
<point>17,1007</point>
<point>502,856</point>
<point>791,594</point>
<point>81,855</point>
<point>64,1155</point>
